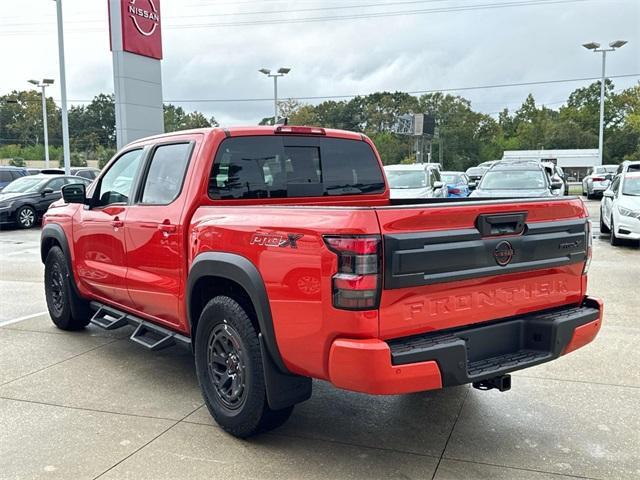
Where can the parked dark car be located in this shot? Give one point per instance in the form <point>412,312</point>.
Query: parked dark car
<point>517,179</point>
<point>25,200</point>
<point>9,174</point>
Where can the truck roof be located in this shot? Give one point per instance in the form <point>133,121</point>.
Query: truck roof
<point>256,130</point>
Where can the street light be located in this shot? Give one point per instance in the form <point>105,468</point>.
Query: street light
<point>63,91</point>
<point>44,84</point>
<point>595,47</point>
<point>280,73</point>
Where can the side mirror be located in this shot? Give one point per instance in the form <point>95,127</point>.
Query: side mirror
<point>472,185</point>
<point>437,185</point>
<point>608,194</point>
<point>74,193</point>
<point>556,184</point>
<point>46,191</point>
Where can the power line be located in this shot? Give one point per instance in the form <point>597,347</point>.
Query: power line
<point>414,92</point>
<point>488,6</point>
<point>411,92</point>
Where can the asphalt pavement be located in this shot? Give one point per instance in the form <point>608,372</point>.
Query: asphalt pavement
<point>92,404</point>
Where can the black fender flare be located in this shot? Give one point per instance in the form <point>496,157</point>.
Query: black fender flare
<point>55,231</point>
<point>243,272</point>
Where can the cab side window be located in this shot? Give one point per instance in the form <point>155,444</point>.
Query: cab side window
<point>116,184</point>
<point>163,182</point>
<point>56,185</point>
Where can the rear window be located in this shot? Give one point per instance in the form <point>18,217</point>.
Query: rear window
<point>282,167</point>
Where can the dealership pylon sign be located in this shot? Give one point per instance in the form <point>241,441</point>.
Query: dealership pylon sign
<point>136,43</point>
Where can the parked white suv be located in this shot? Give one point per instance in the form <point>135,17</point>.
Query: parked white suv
<point>620,208</point>
<point>418,180</point>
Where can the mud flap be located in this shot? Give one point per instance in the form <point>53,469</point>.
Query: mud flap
<point>283,390</point>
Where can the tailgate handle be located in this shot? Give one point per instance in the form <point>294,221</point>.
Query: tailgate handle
<point>493,225</point>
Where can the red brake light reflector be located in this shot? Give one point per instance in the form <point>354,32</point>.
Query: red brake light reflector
<point>300,130</point>
<point>353,245</point>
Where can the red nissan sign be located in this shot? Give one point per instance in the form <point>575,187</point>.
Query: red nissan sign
<point>141,28</point>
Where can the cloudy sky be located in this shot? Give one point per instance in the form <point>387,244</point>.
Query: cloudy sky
<point>213,49</point>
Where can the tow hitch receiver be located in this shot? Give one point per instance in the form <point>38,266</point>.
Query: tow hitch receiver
<point>501,382</point>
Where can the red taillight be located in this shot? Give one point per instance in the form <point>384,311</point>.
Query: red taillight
<point>356,285</point>
<point>598,179</point>
<point>300,130</point>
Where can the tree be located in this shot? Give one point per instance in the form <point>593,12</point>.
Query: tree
<point>176,119</point>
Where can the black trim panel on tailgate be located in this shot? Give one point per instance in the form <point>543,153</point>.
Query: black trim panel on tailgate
<point>478,352</point>
<point>425,258</point>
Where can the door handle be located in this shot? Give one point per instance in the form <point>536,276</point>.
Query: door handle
<point>167,228</point>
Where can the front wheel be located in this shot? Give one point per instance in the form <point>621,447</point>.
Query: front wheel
<point>603,226</point>
<point>66,309</point>
<point>26,217</point>
<point>614,240</point>
<point>230,370</point>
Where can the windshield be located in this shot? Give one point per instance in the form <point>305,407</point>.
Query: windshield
<point>406,179</point>
<point>450,178</point>
<point>631,185</point>
<point>25,185</point>
<point>513,180</point>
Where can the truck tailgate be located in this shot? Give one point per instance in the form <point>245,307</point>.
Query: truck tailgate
<point>454,264</point>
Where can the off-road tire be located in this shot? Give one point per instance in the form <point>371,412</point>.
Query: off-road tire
<point>224,318</point>
<point>67,310</point>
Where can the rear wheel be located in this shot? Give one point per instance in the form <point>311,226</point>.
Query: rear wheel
<point>26,217</point>
<point>67,310</point>
<point>230,370</point>
<point>603,226</point>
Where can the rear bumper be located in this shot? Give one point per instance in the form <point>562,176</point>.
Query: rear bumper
<point>441,359</point>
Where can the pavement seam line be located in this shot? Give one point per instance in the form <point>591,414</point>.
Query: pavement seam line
<point>575,381</point>
<point>522,469</point>
<point>455,422</point>
<point>58,363</point>
<point>85,409</point>
<point>148,443</point>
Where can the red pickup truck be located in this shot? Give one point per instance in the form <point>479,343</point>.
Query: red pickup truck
<point>276,254</point>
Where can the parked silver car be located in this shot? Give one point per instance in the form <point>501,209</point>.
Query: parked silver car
<point>513,179</point>
<point>418,180</point>
<point>598,180</point>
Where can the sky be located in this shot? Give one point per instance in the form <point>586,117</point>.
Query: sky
<point>213,49</point>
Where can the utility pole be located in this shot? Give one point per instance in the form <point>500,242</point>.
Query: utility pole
<point>595,47</point>
<point>63,91</point>
<point>281,73</point>
<point>44,84</point>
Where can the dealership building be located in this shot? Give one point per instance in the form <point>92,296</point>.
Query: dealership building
<point>575,163</point>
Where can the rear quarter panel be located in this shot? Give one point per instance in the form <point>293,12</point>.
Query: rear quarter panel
<point>297,280</point>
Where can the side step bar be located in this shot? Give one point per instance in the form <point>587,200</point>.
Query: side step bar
<point>147,334</point>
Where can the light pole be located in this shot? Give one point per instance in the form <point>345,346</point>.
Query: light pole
<point>595,47</point>
<point>281,73</point>
<point>44,84</point>
<point>63,91</point>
